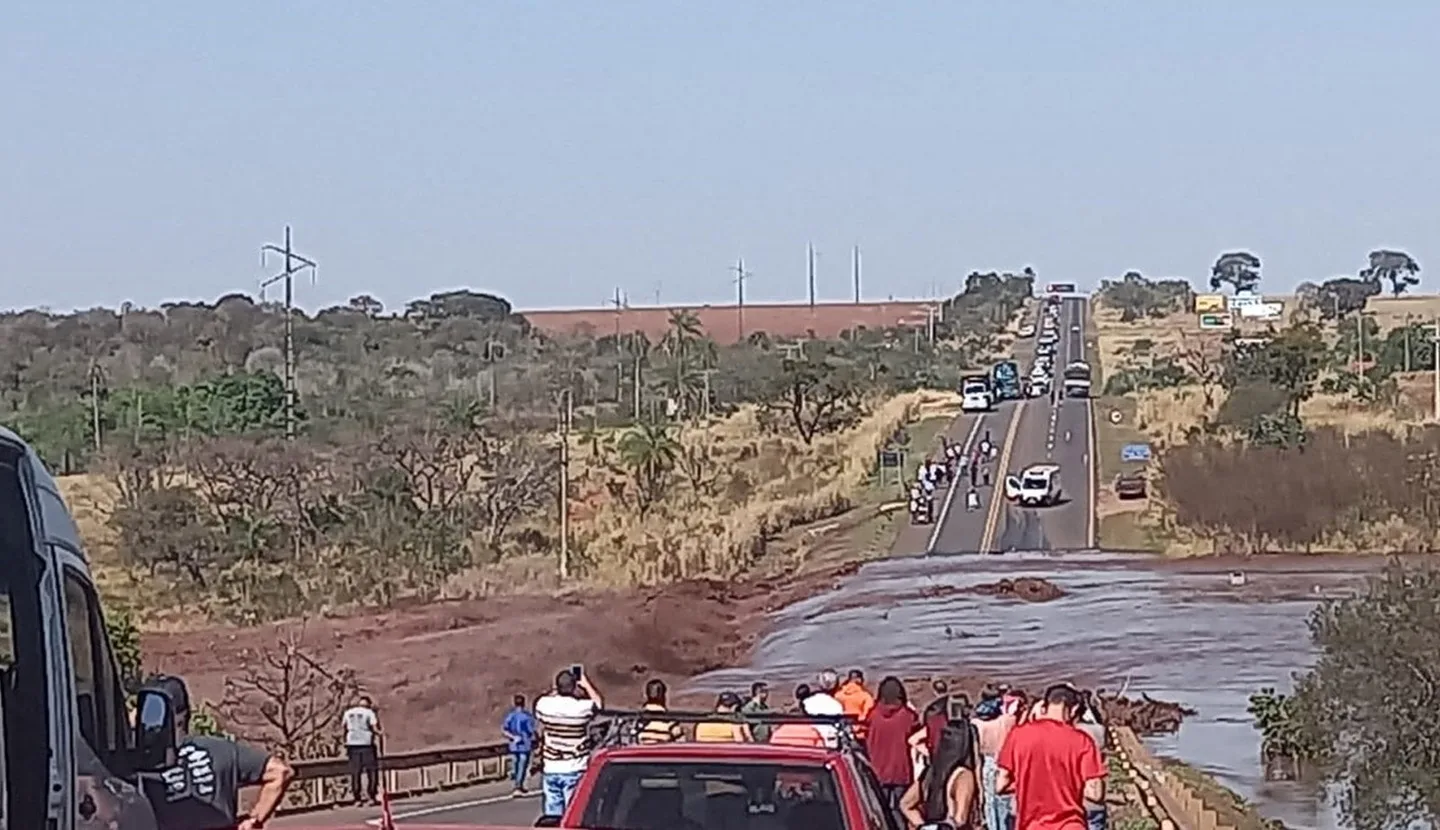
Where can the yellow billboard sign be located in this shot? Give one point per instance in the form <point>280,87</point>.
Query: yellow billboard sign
<point>1209,303</point>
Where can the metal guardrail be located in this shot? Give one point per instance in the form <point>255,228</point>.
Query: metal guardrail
<point>1163,793</point>
<point>325,782</point>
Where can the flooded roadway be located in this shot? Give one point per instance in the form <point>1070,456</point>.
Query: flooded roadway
<point>1175,629</point>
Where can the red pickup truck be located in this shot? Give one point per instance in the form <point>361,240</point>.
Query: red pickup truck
<point>718,786</point>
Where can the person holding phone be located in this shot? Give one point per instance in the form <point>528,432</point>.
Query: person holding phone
<point>565,716</point>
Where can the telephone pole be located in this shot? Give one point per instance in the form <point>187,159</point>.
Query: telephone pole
<point>564,416</point>
<point>294,263</point>
<point>855,266</point>
<point>810,272</point>
<point>741,275</point>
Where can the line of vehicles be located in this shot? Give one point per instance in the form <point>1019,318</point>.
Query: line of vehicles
<point>982,392</point>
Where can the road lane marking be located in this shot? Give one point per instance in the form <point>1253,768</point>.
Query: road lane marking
<point>997,494</point>
<point>1092,534</point>
<point>459,805</point>
<point>954,485</point>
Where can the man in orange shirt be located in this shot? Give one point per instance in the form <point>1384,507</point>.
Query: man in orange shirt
<point>856,700</point>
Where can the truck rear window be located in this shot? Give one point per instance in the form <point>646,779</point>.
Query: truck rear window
<point>713,796</point>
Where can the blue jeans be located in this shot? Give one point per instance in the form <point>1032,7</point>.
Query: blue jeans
<point>1096,819</point>
<point>558,789</point>
<point>999,809</point>
<point>520,767</point>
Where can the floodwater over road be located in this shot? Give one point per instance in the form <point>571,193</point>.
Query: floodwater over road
<point>1176,629</point>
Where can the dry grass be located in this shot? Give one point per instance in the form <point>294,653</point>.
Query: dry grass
<point>1164,417</point>
<point>770,483</point>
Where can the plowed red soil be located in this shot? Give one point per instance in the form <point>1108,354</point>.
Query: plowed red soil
<point>441,673</point>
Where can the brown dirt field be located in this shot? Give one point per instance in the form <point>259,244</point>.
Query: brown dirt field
<point>722,322</point>
<point>441,674</point>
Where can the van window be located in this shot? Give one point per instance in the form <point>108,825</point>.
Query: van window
<point>99,700</point>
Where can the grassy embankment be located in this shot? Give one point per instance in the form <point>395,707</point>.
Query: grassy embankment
<point>1164,417</point>
<point>746,506</point>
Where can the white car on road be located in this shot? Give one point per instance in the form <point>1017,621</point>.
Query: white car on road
<point>1037,485</point>
<point>975,397</point>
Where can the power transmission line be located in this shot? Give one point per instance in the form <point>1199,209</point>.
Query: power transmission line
<point>294,263</point>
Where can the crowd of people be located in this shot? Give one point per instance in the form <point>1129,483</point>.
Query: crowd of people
<point>951,465</point>
<point>1007,762</point>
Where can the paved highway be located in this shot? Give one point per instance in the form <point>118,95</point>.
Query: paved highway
<point>482,804</point>
<point>1040,435</point>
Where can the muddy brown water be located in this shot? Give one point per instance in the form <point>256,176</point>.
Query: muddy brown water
<point>1174,629</point>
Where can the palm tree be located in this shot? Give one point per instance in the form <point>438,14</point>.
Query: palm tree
<point>1398,267</point>
<point>685,331</point>
<point>649,452</point>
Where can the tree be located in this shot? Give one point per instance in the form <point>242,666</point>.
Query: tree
<point>366,304</point>
<point>289,699</point>
<point>1137,297</point>
<point>1342,296</point>
<point>1397,267</point>
<point>1238,269</point>
<point>1368,704</point>
<point>1203,358</point>
<point>814,395</point>
<point>1289,360</point>
<point>649,452</point>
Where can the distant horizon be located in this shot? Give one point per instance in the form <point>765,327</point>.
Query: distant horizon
<point>1200,287</point>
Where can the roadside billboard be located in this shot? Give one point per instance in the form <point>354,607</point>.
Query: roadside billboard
<point>1216,321</point>
<point>1271,310</point>
<point>1243,299</point>
<point>1060,288</point>
<point>1209,303</point>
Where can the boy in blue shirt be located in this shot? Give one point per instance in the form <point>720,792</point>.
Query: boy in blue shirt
<point>519,729</point>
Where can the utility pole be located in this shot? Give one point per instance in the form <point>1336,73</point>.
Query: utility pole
<point>810,272</point>
<point>95,402</point>
<point>855,267</point>
<point>618,304</point>
<point>1435,346</point>
<point>564,415</point>
<point>741,275</point>
<point>294,263</point>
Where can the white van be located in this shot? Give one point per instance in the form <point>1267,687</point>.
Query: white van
<point>1037,485</point>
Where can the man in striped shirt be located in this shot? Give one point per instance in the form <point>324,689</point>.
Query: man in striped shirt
<point>565,717</point>
<point>658,730</point>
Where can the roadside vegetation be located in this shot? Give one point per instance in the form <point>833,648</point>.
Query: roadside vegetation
<point>1359,720</point>
<point>1307,433</point>
<point>422,455</point>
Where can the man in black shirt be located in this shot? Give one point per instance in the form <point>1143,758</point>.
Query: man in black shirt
<point>202,790</point>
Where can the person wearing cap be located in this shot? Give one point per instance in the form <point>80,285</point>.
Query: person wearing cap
<point>724,731</point>
<point>202,790</point>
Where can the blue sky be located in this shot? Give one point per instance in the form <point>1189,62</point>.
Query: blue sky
<point>551,151</point>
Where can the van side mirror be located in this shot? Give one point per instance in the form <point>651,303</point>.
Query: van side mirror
<point>154,731</point>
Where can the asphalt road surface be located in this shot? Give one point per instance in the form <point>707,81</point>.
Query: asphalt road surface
<point>1056,432</point>
<point>479,805</point>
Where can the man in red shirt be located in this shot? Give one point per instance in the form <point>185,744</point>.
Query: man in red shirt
<point>1052,767</point>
